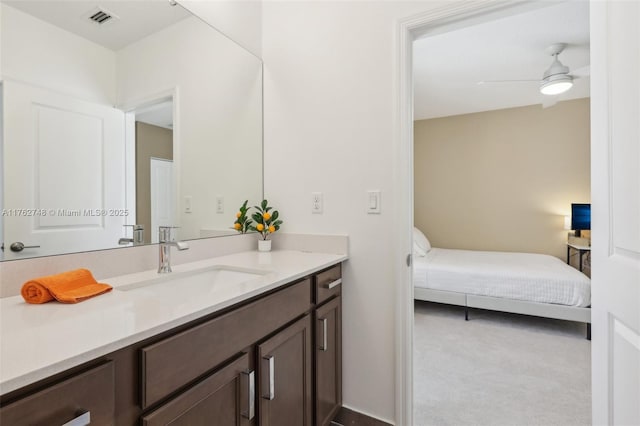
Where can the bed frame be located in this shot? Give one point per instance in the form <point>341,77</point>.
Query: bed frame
<point>545,310</point>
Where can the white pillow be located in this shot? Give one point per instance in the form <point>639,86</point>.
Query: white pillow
<point>421,244</point>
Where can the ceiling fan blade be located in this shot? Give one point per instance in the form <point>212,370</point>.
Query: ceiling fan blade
<point>582,72</point>
<point>507,81</point>
<point>549,101</point>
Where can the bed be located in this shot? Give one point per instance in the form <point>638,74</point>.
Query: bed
<point>523,283</point>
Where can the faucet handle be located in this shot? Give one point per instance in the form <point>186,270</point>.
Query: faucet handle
<point>138,233</point>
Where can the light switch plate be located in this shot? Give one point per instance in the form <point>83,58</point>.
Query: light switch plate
<point>219,204</point>
<point>373,202</point>
<point>187,204</point>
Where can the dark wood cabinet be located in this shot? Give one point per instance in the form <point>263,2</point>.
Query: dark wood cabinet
<point>172,362</point>
<point>86,397</point>
<point>285,368</point>
<point>328,284</point>
<point>226,396</point>
<point>273,360</point>
<point>328,357</point>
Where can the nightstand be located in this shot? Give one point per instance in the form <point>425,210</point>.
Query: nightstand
<point>581,251</point>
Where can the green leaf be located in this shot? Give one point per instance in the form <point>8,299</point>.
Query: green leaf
<point>274,215</point>
<point>264,204</point>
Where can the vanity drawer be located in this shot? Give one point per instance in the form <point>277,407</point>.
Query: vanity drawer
<point>173,362</point>
<point>221,396</point>
<point>328,283</point>
<point>88,396</point>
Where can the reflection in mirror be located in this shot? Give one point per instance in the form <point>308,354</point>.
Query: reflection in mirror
<point>118,118</point>
<point>154,168</point>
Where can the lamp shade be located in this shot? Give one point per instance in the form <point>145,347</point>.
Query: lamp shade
<point>556,84</point>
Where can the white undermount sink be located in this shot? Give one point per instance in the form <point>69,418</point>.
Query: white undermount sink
<point>204,278</point>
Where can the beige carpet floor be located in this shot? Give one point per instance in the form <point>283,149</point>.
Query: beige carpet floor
<point>499,369</point>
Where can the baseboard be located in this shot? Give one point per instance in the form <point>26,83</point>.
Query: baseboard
<point>348,417</point>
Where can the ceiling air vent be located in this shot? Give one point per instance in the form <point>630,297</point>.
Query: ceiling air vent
<point>101,16</point>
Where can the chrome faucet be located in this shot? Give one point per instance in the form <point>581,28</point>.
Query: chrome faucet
<point>164,237</point>
<point>138,236</point>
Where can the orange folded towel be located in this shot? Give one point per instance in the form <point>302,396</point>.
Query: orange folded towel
<point>67,287</point>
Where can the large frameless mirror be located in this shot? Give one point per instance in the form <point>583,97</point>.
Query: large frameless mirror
<point>119,117</point>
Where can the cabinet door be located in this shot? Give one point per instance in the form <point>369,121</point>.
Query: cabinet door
<point>226,398</point>
<point>172,363</point>
<point>84,398</point>
<point>284,367</point>
<point>328,351</point>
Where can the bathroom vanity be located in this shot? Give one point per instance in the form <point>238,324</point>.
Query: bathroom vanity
<point>263,350</point>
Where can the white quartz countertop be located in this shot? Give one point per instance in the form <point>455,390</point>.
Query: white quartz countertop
<point>38,341</point>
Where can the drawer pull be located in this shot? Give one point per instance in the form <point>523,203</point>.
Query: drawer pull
<point>82,420</point>
<point>270,373</point>
<point>251,395</point>
<point>333,284</point>
<point>325,345</point>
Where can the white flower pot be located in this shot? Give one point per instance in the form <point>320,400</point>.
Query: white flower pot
<point>264,245</point>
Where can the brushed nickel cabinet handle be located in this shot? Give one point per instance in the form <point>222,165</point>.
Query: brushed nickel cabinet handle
<point>83,419</point>
<point>270,373</point>
<point>333,284</point>
<point>250,412</point>
<point>324,346</point>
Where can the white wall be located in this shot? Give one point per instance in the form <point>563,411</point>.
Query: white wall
<point>329,96</point>
<point>239,20</point>
<point>218,128</point>
<point>41,54</point>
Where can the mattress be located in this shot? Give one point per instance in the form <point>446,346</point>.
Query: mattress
<point>520,276</point>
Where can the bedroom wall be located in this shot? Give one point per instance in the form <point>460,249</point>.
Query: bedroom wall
<point>151,142</point>
<point>502,180</point>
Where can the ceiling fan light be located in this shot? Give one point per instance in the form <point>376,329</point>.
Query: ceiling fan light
<point>556,84</point>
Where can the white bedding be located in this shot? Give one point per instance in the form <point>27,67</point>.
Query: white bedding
<point>522,276</point>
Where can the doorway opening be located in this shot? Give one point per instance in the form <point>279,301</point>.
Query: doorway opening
<point>476,226</point>
<point>150,166</point>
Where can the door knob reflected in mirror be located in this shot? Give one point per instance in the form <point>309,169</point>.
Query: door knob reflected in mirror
<point>18,246</point>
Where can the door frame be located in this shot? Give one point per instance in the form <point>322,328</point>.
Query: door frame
<point>452,16</point>
<point>130,108</point>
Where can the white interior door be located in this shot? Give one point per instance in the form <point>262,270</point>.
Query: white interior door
<point>615,177</point>
<point>63,164</point>
<point>162,196</point>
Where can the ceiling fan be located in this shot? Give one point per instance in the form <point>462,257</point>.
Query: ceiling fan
<point>557,78</point>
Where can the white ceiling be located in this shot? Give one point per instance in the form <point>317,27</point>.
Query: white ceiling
<point>135,19</point>
<point>448,66</point>
<point>160,114</point>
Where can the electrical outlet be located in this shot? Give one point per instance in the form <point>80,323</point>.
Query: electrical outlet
<point>316,202</point>
<point>219,204</point>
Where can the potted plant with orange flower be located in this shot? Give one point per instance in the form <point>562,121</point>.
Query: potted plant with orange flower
<point>266,223</point>
<point>242,223</point>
